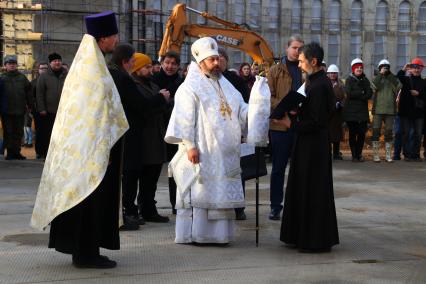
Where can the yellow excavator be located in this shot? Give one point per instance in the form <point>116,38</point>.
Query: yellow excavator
<point>231,35</point>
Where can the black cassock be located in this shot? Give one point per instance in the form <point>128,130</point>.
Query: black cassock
<point>309,218</point>
<point>93,223</point>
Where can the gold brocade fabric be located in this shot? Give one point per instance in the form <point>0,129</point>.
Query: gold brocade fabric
<point>89,121</point>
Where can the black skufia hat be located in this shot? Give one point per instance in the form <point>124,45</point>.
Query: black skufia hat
<point>101,25</point>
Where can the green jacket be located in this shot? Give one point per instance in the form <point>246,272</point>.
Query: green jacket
<point>17,90</point>
<point>386,88</point>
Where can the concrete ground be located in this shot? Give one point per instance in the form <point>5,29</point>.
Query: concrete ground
<point>381,210</point>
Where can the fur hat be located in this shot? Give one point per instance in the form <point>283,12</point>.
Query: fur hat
<point>54,56</point>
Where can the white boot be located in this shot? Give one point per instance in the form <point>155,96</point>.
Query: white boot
<point>376,157</point>
<point>388,148</point>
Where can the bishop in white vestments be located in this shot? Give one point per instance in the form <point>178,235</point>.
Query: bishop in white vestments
<point>207,122</point>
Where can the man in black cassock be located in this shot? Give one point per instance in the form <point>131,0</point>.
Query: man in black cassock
<point>93,223</point>
<point>309,218</point>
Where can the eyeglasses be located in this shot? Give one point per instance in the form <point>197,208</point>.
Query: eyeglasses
<point>416,66</point>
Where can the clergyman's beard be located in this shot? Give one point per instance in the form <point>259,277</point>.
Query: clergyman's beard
<point>214,74</point>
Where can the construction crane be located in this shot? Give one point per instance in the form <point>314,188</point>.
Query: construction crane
<point>231,35</point>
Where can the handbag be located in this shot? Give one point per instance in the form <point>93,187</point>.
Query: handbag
<point>249,166</point>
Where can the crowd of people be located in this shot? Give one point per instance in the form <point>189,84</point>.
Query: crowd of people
<point>120,127</point>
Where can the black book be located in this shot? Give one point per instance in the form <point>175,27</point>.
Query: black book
<point>290,102</point>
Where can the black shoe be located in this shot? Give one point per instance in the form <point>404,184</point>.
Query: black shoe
<point>361,159</point>
<point>240,214</point>
<point>97,262</point>
<point>130,223</point>
<point>141,220</point>
<point>174,211</point>
<point>274,215</point>
<point>157,218</point>
<point>338,158</point>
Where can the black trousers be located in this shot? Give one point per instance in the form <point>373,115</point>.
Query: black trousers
<point>336,149</point>
<point>45,132</point>
<point>147,179</point>
<point>93,223</point>
<point>171,151</point>
<point>13,129</point>
<point>37,147</point>
<point>357,130</point>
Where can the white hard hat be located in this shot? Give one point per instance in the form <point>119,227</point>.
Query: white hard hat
<point>383,62</point>
<point>356,61</point>
<point>333,69</point>
<point>203,48</point>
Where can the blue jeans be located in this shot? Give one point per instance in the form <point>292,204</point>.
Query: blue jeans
<point>411,149</point>
<point>281,146</point>
<point>28,135</point>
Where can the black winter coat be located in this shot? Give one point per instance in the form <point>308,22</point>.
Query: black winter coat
<point>410,106</point>
<point>171,84</point>
<point>358,92</point>
<point>49,89</point>
<point>144,145</point>
<point>238,84</point>
<point>134,104</point>
<point>17,92</point>
<point>309,217</point>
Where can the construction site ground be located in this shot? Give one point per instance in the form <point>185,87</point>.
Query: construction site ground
<point>382,224</point>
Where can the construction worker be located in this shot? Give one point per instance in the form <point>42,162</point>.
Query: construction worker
<point>385,87</point>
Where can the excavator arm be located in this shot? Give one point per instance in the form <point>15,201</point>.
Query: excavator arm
<point>232,35</point>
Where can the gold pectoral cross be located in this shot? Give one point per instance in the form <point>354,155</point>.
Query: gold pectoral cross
<point>225,109</point>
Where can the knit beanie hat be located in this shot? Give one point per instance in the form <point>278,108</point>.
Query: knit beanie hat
<point>141,60</point>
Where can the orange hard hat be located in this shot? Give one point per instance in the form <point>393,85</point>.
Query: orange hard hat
<point>418,61</point>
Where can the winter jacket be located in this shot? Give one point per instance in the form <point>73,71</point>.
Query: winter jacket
<point>358,91</point>
<point>279,81</point>
<point>386,88</point>
<point>17,90</point>
<point>410,106</point>
<point>49,89</point>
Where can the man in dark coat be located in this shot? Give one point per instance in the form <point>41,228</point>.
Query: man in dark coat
<point>168,79</point>
<point>309,217</point>
<point>412,108</point>
<point>144,150</point>
<point>18,100</point>
<point>41,68</point>
<point>48,94</point>
<point>93,222</point>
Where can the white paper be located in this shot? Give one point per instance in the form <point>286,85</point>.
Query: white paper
<point>246,150</point>
<point>301,90</point>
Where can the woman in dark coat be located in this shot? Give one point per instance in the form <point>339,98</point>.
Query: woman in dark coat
<point>245,73</point>
<point>309,218</point>
<point>336,128</point>
<point>358,91</point>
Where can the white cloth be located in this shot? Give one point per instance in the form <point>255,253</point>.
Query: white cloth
<point>196,118</point>
<point>193,225</point>
<point>89,121</point>
<point>259,112</point>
